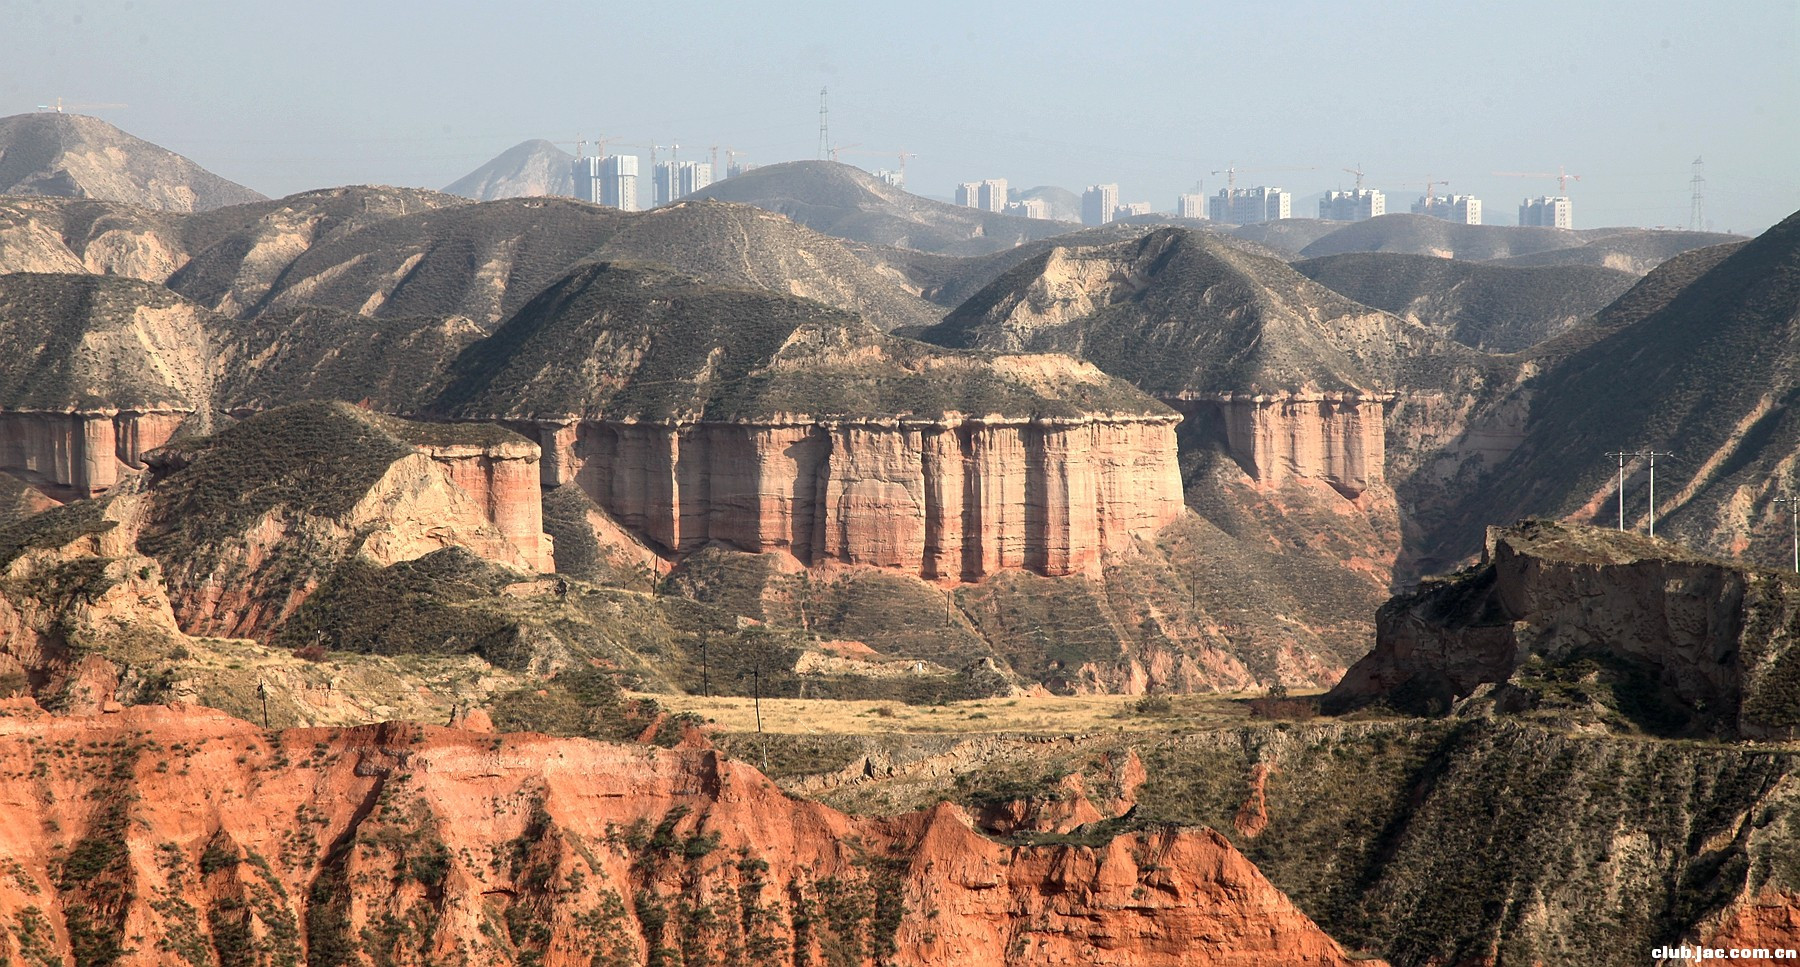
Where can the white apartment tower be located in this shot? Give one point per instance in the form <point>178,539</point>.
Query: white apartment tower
<point>1098,204</point>
<point>610,181</point>
<point>1247,206</point>
<point>678,179</point>
<point>968,194</point>
<point>1190,205</point>
<point>992,197</point>
<point>1549,211</point>
<point>1352,206</point>
<point>1029,208</point>
<point>1463,209</point>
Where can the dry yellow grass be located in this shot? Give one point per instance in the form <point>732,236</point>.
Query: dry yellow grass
<point>1061,715</point>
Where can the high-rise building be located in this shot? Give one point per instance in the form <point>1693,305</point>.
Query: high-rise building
<point>1131,209</point>
<point>993,195</point>
<point>735,168</point>
<point>1190,206</point>
<point>1548,211</point>
<point>1464,209</point>
<point>678,179</point>
<point>1352,206</point>
<point>968,194</point>
<point>1029,208</point>
<point>1098,204</point>
<point>890,178</point>
<point>586,172</point>
<point>618,182</point>
<point>1247,206</point>
<point>608,181</point>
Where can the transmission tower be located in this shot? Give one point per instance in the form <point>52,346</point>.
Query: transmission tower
<point>1697,213</point>
<point>824,128</point>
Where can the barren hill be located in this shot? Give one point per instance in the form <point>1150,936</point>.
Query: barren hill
<point>1701,369</point>
<point>1634,250</point>
<point>74,156</point>
<point>1488,307</point>
<point>1410,234</point>
<point>1180,312</point>
<point>849,203</point>
<point>528,169</point>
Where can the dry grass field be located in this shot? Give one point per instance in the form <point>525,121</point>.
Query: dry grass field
<point>1050,714</point>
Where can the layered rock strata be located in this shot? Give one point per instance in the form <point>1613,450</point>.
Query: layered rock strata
<point>1336,438</point>
<point>81,454</point>
<point>502,479</point>
<point>946,499</point>
<point>155,829</point>
<point>1706,644</point>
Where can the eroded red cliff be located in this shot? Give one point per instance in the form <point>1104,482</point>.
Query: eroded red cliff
<point>158,832</point>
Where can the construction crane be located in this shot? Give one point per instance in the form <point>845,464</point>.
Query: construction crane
<point>838,149</point>
<point>60,108</point>
<point>1561,175</point>
<point>1358,172</point>
<point>1230,172</point>
<point>1431,194</point>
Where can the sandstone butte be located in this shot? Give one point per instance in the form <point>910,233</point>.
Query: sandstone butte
<point>161,833</point>
<point>951,498</point>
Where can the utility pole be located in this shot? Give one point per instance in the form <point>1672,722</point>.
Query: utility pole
<point>705,670</point>
<point>1621,454</point>
<point>1653,454</point>
<point>1794,505</point>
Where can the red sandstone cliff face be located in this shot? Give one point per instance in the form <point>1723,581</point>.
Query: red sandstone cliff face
<point>952,500</point>
<point>81,454</point>
<point>157,833</point>
<point>1336,438</point>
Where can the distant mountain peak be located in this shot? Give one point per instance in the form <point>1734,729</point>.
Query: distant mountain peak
<point>76,156</point>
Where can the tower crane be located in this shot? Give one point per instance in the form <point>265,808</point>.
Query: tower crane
<point>1358,172</point>
<point>1231,171</point>
<point>1562,177</point>
<point>1431,193</point>
<point>838,149</point>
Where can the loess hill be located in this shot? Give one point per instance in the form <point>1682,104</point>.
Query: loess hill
<point>75,156</point>
<point>1496,308</point>
<point>528,169</point>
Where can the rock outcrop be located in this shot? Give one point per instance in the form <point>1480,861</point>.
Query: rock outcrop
<point>1337,438</point>
<point>803,430</point>
<point>248,521</point>
<point>158,829</point>
<point>95,372</point>
<point>1652,635</point>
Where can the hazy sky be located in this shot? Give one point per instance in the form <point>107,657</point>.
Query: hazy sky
<point>1153,96</point>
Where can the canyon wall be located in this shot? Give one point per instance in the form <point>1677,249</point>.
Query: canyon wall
<point>136,835</point>
<point>1337,438</point>
<point>946,500</point>
<point>502,478</point>
<point>1709,641</point>
<point>81,454</point>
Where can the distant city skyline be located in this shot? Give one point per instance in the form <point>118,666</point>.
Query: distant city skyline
<point>1626,95</point>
